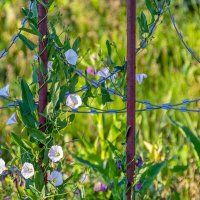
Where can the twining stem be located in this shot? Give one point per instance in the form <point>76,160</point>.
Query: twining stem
<point>42,80</point>
<point>131,96</point>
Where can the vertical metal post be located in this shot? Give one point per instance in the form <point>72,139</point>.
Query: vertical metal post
<point>42,80</point>
<point>43,52</point>
<point>131,95</point>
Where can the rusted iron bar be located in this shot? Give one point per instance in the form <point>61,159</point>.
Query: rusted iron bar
<point>43,52</point>
<point>42,80</point>
<point>131,95</point>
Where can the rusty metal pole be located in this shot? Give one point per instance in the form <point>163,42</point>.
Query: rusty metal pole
<point>43,52</point>
<point>42,79</point>
<point>131,95</point>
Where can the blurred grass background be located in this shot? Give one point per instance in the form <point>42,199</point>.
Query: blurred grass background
<point>172,76</point>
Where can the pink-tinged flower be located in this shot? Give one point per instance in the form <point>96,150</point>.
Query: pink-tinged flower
<point>140,78</point>
<point>12,119</point>
<point>55,153</point>
<point>27,170</point>
<point>73,101</point>
<point>4,91</point>
<point>56,178</point>
<point>2,165</point>
<point>104,72</point>
<point>100,187</point>
<point>71,56</point>
<point>90,70</point>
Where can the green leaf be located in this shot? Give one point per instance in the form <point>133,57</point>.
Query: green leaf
<point>32,31</point>
<point>27,97</point>
<point>37,135</point>
<point>179,168</point>
<point>63,90</point>
<point>55,91</point>
<point>27,42</point>
<point>112,147</point>
<point>71,118</point>
<point>150,175</point>
<point>35,191</point>
<point>105,95</point>
<point>34,75</point>
<point>76,44</point>
<point>86,95</point>
<point>73,82</point>
<point>89,164</point>
<point>195,141</point>
<point>28,119</point>
<point>39,179</point>
<point>34,10</point>
<point>144,23</point>
<point>18,140</point>
<point>151,8</point>
<point>108,48</point>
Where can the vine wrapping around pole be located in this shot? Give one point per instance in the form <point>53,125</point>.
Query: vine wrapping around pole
<point>131,95</point>
<point>43,54</point>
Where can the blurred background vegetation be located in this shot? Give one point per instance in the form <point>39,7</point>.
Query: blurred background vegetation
<point>172,76</point>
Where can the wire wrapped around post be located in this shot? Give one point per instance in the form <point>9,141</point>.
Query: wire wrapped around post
<point>131,95</point>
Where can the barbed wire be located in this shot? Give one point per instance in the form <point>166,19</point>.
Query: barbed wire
<point>148,106</point>
<point>182,106</point>
<point>181,36</point>
<point>4,52</point>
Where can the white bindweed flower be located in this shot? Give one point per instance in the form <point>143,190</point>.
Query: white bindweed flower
<point>140,78</point>
<point>4,91</point>
<point>12,119</point>
<point>71,56</point>
<point>2,165</point>
<point>104,72</point>
<point>50,65</point>
<point>55,153</point>
<point>27,170</point>
<point>73,101</point>
<point>56,178</point>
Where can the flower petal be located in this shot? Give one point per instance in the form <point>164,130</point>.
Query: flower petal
<point>140,78</point>
<point>4,91</point>
<point>73,101</point>
<point>71,56</point>
<point>55,153</point>
<point>104,73</point>
<point>12,119</point>
<point>2,165</point>
<point>56,177</point>
<point>27,170</point>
